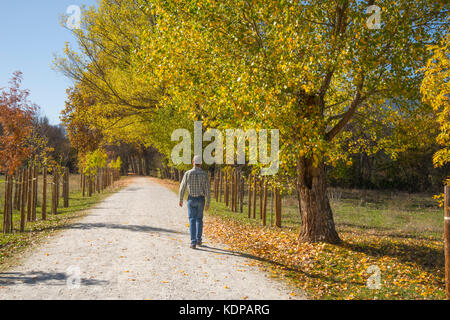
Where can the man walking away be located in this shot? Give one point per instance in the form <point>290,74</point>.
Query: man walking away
<point>197,182</point>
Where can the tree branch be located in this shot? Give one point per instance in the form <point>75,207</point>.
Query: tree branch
<point>357,99</point>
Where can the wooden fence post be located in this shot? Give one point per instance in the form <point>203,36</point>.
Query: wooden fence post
<point>101,178</point>
<point>35,192</point>
<point>18,195</point>
<point>66,187</point>
<point>19,203</point>
<point>249,195</point>
<point>226,188</point>
<point>11,204</point>
<point>215,184</point>
<point>261,195</point>
<point>16,190</point>
<point>255,191</point>
<point>264,204</point>
<point>6,206</point>
<point>54,191</point>
<point>271,205</point>
<point>29,194</point>
<point>232,188</point>
<point>98,180</point>
<point>89,183</point>
<point>278,208</point>
<point>105,178</point>
<point>44,194</point>
<point>58,178</point>
<point>447,240</point>
<point>83,183</point>
<point>236,191</point>
<point>242,190</point>
<point>220,185</point>
<point>23,201</point>
<point>103,174</point>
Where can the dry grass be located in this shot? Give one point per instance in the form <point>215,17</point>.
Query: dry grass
<point>74,187</point>
<point>379,212</point>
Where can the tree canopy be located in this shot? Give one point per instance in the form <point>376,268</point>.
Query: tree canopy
<point>312,69</point>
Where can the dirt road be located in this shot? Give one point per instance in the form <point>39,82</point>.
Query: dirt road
<point>135,245</point>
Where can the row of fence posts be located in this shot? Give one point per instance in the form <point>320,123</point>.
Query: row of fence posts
<point>21,194</point>
<point>171,173</point>
<point>139,165</point>
<point>230,186</point>
<point>91,183</point>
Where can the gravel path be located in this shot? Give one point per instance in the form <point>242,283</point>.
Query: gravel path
<point>135,245</point>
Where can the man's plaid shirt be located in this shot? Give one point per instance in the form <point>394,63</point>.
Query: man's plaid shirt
<point>197,182</point>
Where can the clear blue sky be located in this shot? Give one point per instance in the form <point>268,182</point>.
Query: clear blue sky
<point>30,35</point>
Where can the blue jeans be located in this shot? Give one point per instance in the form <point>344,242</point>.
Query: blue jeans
<point>195,211</point>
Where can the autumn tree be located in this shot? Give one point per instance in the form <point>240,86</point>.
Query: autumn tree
<point>112,103</point>
<point>16,114</point>
<point>436,90</point>
<point>310,69</point>
<point>108,98</point>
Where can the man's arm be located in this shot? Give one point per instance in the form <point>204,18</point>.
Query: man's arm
<point>183,188</point>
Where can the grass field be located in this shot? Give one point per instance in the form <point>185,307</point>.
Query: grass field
<point>13,244</point>
<point>389,213</point>
<point>397,235</point>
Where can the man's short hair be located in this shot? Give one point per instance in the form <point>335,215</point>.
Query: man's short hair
<point>197,160</point>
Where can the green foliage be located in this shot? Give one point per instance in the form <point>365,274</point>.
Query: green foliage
<point>308,69</point>
<point>435,90</point>
<point>116,164</point>
<point>94,160</point>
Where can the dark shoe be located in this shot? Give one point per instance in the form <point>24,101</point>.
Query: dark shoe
<point>199,243</point>
<point>193,246</point>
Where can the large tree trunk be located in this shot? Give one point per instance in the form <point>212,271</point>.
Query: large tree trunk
<point>315,211</point>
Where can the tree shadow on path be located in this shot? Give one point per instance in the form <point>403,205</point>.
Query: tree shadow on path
<point>37,277</point>
<point>134,228</point>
